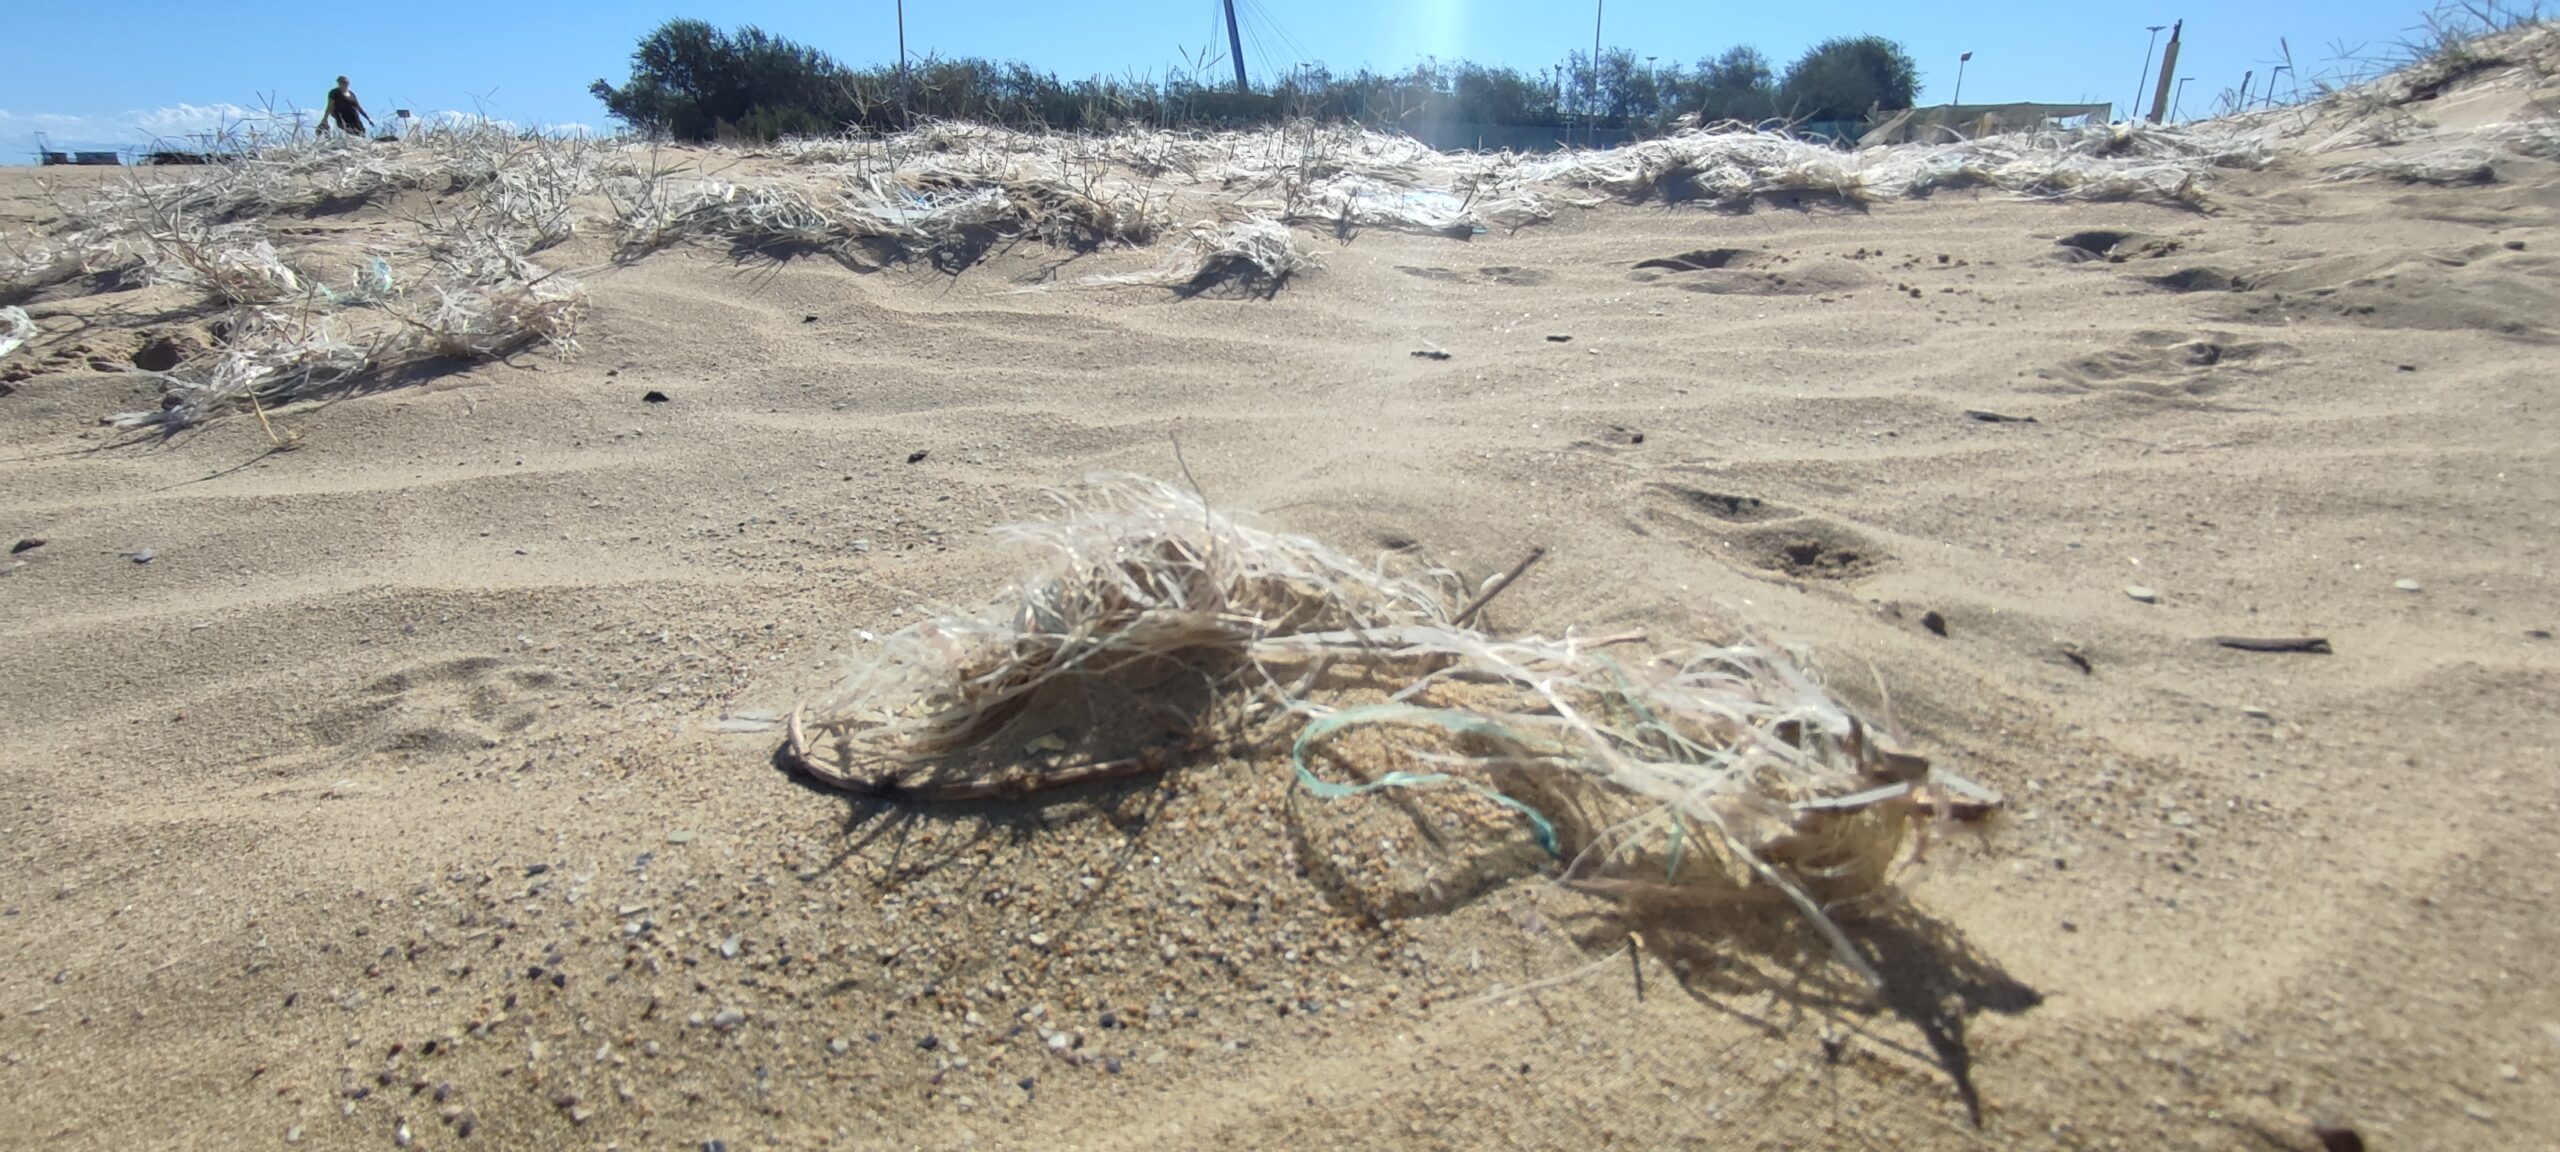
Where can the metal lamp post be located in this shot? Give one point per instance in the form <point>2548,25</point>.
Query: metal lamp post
<point>1592,124</point>
<point>2144,80</point>
<point>1960,60</point>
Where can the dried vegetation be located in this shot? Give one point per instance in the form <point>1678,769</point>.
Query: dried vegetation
<point>1155,630</point>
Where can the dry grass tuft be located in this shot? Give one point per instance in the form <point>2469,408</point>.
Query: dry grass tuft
<point>276,354</point>
<point>494,321</point>
<point>946,219</point>
<point>2135,161</point>
<point>234,263</point>
<point>15,329</point>
<point>1155,630</point>
<point>1256,256</point>
<point>2445,167</point>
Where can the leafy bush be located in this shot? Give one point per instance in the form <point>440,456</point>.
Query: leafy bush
<point>1735,86</point>
<point>1847,77</point>
<point>692,81</point>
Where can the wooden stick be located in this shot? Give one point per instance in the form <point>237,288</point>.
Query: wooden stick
<point>1556,981</point>
<point>1013,784</point>
<point>1494,589</point>
<point>1675,895</point>
<point>2314,644</point>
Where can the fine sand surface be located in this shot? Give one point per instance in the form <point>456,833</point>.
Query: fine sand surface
<point>413,788</point>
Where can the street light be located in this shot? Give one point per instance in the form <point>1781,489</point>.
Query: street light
<point>1591,130</point>
<point>2144,81</point>
<point>1960,77</point>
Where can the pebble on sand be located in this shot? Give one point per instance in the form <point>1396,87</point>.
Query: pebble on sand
<point>2406,585</point>
<point>2141,593</point>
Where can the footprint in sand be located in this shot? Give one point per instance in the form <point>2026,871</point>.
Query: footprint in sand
<point>1750,272</point>
<point>2114,245</point>
<point>462,704</point>
<point>2168,364</point>
<point>1759,536</point>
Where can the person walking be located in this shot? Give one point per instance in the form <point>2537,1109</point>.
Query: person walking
<point>345,109</point>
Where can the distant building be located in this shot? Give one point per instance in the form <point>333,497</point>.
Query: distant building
<point>1948,122</point>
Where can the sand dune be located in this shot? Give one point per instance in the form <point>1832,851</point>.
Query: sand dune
<point>415,779</point>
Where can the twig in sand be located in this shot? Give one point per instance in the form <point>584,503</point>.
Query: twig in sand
<point>1557,981</point>
<point>1495,587</point>
<point>2318,645</point>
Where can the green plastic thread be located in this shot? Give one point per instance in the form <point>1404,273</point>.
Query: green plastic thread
<point>1462,723</point>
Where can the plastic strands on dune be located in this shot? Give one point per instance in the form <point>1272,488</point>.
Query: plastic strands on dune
<point>1256,255</point>
<point>234,263</point>
<point>271,356</point>
<point>1157,152</point>
<point>1137,581</point>
<point>939,217</point>
<point>1353,201</point>
<point>491,321</point>
<point>43,261</point>
<point>15,329</point>
<point>1307,152</point>
<point>528,193</point>
<point>1155,630</point>
<point>832,150</point>
<point>922,219</point>
<point>1719,167</point>
<point>278,354</point>
<point>2107,162</point>
<point>534,177</point>
<point>2444,167</point>
<point>652,214</point>
<point>2539,137</point>
<point>1255,251</point>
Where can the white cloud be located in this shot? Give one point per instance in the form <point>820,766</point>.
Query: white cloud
<point>181,123</point>
<point>183,119</point>
<point>453,118</point>
<point>66,131</point>
<point>38,121</point>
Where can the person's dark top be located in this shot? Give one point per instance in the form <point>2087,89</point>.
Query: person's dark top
<point>343,107</point>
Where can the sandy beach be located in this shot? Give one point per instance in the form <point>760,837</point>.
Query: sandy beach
<point>417,786</point>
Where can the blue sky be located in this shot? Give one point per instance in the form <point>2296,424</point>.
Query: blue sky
<point>113,72</point>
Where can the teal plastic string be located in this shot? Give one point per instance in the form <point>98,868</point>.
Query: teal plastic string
<point>1463,723</point>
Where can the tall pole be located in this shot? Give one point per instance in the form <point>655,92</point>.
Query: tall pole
<point>1591,135</point>
<point>902,59</point>
<point>1960,78</point>
<point>1235,48</point>
<point>2144,80</point>
<point>2168,68</point>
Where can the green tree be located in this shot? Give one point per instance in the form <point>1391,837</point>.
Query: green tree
<point>692,81</point>
<point>1738,85</point>
<point>1848,77</point>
